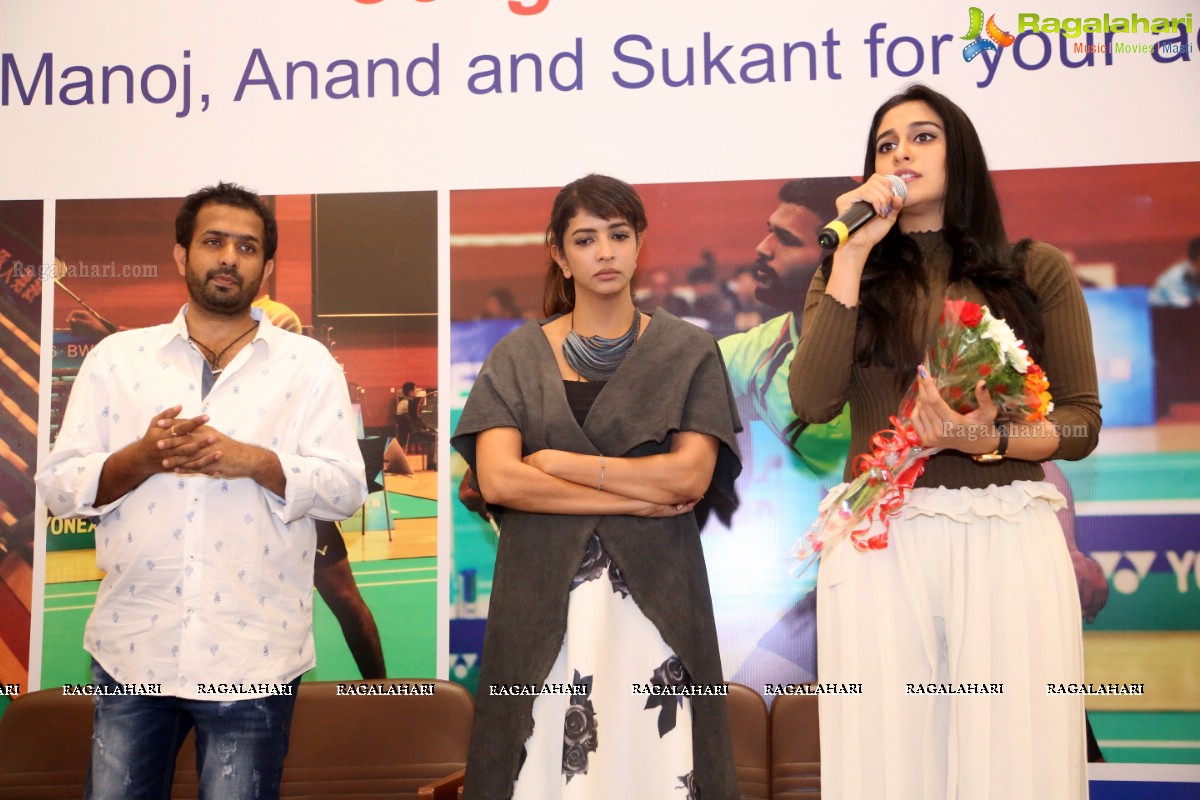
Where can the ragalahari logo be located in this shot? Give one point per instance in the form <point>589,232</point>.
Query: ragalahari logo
<point>996,38</point>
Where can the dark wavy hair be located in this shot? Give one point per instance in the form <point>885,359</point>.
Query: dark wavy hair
<point>973,229</point>
<point>226,194</point>
<point>817,194</point>
<point>600,196</point>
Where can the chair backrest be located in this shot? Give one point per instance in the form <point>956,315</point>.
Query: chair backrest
<point>349,746</point>
<point>376,745</point>
<point>45,744</point>
<point>405,425</point>
<point>428,410</point>
<point>365,746</point>
<point>372,449</point>
<point>748,727</point>
<point>795,748</point>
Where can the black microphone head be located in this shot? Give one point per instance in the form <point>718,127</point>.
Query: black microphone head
<point>827,239</point>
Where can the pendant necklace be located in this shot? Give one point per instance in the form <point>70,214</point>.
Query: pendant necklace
<point>215,360</point>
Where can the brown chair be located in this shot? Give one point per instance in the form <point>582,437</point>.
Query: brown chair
<point>367,747</point>
<point>376,746</point>
<point>795,748</point>
<point>748,726</point>
<point>45,744</point>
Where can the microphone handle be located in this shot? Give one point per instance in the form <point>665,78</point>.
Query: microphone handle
<point>835,234</point>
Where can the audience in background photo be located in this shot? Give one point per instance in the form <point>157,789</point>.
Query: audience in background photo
<point>711,307</point>
<point>1179,285</point>
<point>412,431</point>
<point>500,304</point>
<point>713,298</point>
<point>656,291</point>
<point>748,310</point>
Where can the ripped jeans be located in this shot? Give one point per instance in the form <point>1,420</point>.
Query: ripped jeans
<point>240,745</point>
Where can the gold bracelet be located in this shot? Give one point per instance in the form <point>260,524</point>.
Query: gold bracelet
<point>600,488</point>
<point>1001,447</point>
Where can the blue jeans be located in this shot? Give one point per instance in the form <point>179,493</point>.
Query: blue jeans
<point>240,745</point>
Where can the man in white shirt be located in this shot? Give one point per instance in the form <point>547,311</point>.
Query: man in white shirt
<point>207,447</point>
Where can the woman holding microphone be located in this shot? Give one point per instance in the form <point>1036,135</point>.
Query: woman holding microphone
<point>957,628</point>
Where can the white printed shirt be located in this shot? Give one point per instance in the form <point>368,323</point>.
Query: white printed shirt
<point>208,580</point>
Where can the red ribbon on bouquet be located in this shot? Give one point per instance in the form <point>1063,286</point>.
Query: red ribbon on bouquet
<point>895,461</point>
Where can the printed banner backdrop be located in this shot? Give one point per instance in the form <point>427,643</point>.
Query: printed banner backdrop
<point>20,325</point>
<point>708,109</point>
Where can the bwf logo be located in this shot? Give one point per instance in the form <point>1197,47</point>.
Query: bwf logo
<point>996,38</point>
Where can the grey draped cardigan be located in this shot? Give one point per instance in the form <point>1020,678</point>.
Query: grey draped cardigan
<point>672,380</point>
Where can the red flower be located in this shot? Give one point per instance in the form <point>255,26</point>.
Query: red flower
<point>971,314</point>
<point>966,312</point>
<point>985,370</point>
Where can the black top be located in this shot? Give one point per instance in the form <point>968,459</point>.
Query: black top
<point>581,395</point>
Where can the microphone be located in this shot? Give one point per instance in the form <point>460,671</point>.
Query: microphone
<point>835,234</point>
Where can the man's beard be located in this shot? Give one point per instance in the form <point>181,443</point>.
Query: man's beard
<point>783,292</point>
<point>228,303</point>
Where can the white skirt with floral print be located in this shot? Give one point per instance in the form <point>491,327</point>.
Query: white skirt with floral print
<point>608,736</point>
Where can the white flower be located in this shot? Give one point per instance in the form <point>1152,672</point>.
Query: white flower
<point>1019,357</point>
<point>1011,348</point>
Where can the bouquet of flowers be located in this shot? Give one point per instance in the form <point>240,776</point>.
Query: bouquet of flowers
<point>968,344</point>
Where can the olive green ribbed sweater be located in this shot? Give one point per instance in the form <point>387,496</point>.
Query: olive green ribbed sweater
<point>824,376</point>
